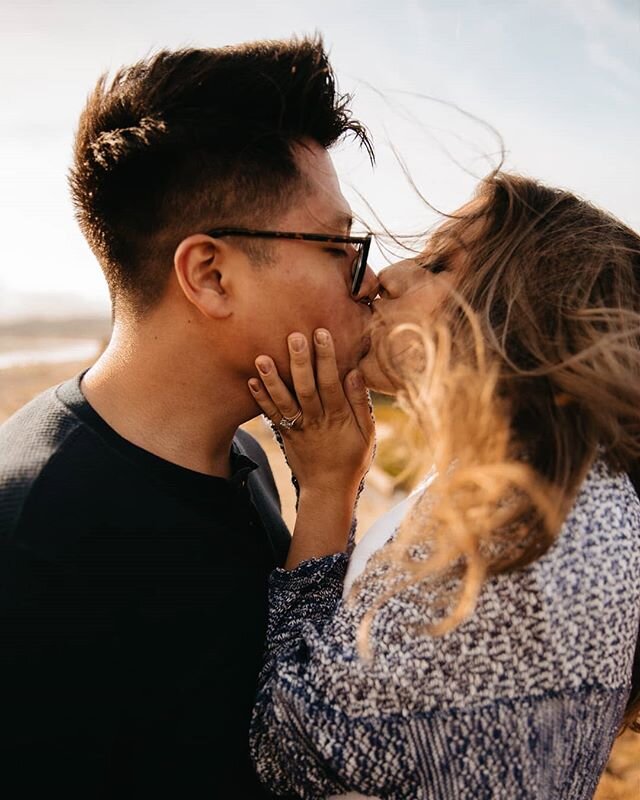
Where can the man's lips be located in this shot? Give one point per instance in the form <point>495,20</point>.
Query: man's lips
<point>366,346</point>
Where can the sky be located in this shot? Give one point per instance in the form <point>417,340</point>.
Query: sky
<point>558,80</point>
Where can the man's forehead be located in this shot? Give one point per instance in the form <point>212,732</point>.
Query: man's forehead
<point>324,214</point>
<point>321,200</point>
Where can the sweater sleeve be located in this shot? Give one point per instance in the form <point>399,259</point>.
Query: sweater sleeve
<point>306,739</point>
<point>287,725</point>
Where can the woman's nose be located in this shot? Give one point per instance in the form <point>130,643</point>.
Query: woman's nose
<point>386,278</point>
<point>391,279</point>
<point>383,274</point>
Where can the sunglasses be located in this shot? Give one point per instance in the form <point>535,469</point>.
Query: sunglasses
<point>360,243</point>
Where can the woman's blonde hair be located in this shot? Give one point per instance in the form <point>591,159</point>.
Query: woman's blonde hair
<point>530,370</point>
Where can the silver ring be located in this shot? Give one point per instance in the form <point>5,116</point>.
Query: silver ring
<point>287,424</point>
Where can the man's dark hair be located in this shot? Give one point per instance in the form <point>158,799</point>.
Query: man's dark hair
<point>190,140</point>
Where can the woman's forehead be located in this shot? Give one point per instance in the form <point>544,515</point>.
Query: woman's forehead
<point>461,229</point>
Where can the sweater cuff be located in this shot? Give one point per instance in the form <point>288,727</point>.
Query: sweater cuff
<point>310,592</point>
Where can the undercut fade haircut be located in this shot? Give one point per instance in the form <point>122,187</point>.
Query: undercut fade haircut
<point>190,140</point>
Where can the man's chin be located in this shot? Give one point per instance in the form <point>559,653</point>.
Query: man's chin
<point>351,361</point>
<point>365,354</point>
<point>360,354</point>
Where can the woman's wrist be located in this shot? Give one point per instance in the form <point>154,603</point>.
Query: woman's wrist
<point>323,524</point>
<point>334,493</point>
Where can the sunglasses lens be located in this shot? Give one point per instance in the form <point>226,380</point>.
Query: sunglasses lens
<point>360,266</point>
<point>357,273</point>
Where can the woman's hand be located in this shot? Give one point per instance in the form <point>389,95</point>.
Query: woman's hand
<point>330,445</point>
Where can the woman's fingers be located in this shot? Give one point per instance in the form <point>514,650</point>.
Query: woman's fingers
<point>358,398</point>
<point>304,381</point>
<point>315,394</point>
<point>329,448</point>
<point>327,377</point>
<point>285,405</point>
<point>261,396</point>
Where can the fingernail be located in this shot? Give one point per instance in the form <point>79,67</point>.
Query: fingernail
<point>321,336</point>
<point>254,385</point>
<point>297,343</point>
<point>264,365</point>
<point>356,381</point>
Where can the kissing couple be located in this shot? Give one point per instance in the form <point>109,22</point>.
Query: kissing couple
<point>163,633</point>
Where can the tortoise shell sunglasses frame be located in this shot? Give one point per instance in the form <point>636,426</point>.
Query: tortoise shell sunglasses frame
<point>362,243</point>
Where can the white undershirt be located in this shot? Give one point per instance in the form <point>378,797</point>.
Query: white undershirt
<point>380,533</point>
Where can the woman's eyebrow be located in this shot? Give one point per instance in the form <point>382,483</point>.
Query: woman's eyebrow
<point>436,238</point>
<point>440,240</point>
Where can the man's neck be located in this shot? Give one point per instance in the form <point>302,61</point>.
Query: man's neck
<point>163,397</point>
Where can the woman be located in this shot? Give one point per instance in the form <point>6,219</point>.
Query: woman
<point>485,646</point>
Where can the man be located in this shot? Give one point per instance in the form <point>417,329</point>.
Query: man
<point>138,526</point>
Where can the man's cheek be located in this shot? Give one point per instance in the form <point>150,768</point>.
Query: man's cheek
<point>284,370</point>
<point>344,356</point>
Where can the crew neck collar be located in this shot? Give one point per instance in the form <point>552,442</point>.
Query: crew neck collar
<point>178,477</point>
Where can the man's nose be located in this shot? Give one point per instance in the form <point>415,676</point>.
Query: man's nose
<point>369,285</point>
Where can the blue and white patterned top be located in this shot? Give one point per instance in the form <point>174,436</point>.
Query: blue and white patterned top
<point>523,700</point>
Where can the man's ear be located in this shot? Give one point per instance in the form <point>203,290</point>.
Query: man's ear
<point>202,268</point>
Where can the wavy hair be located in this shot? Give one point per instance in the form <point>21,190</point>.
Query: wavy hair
<point>531,370</point>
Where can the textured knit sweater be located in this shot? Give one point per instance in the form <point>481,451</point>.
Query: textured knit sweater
<point>523,700</point>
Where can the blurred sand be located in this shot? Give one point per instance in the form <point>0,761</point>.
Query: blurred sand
<point>18,385</point>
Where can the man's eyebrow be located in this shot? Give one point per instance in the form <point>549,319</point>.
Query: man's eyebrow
<point>342,222</point>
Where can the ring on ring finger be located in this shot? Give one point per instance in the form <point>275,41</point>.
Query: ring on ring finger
<point>288,423</point>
